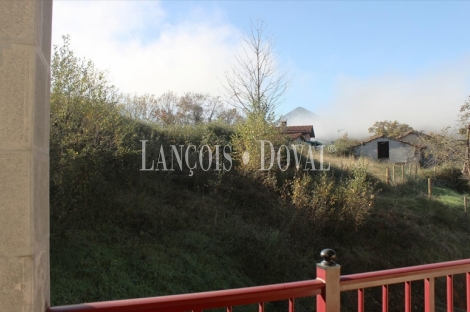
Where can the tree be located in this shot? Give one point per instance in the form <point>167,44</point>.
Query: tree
<point>443,148</point>
<point>82,101</point>
<point>344,146</point>
<point>451,147</point>
<point>139,107</point>
<point>87,133</point>
<point>191,108</point>
<point>197,108</point>
<point>166,108</point>
<point>388,128</point>
<point>464,129</point>
<point>256,83</point>
<point>247,139</point>
<point>229,116</point>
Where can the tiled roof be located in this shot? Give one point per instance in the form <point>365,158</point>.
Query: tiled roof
<point>301,129</point>
<point>293,131</point>
<point>295,136</point>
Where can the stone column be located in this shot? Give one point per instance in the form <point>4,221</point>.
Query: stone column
<point>25,52</point>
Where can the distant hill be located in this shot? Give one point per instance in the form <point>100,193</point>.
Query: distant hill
<point>299,117</point>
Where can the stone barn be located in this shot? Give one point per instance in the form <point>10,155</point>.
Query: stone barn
<point>387,149</point>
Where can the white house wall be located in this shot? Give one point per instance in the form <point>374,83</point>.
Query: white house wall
<point>398,151</point>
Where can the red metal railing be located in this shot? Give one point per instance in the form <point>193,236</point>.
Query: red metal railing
<point>208,300</point>
<point>326,287</point>
<point>426,273</point>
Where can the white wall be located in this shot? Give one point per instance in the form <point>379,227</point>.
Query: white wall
<point>398,151</point>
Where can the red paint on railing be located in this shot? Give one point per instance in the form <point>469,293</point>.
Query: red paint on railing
<point>328,290</point>
<point>467,275</point>
<point>385,298</point>
<point>407,296</point>
<point>450,293</point>
<point>401,275</point>
<point>429,295</point>
<point>291,305</point>
<point>204,300</point>
<point>360,300</point>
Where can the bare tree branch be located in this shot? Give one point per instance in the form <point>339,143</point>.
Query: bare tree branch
<point>255,83</point>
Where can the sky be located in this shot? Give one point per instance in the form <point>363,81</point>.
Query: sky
<point>352,62</point>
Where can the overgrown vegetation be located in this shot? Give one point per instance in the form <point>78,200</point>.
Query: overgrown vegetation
<point>120,232</point>
<point>345,145</point>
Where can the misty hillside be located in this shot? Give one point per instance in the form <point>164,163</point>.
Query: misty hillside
<point>299,116</point>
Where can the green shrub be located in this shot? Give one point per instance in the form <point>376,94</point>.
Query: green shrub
<point>449,177</point>
<point>336,204</point>
<point>345,145</point>
<point>247,138</point>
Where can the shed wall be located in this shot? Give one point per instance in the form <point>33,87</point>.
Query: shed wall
<point>398,151</point>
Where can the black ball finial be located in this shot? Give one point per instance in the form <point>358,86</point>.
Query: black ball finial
<point>328,256</point>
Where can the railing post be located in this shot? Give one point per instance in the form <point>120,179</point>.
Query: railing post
<point>329,272</point>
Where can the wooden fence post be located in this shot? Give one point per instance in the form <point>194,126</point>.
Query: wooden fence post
<point>329,272</point>
<point>429,188</point>
<point>387,175</point>
<point>393,174</point>
<point>465,205</point>
<point>403,172</point>
<point>416,170</point>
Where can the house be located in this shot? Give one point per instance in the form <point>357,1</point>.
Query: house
<point>414,137</point>
<point>383,148</point>
<point>299,133</point>
<point>297,137</point>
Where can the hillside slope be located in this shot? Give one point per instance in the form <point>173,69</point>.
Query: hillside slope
<point>123,233</point>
